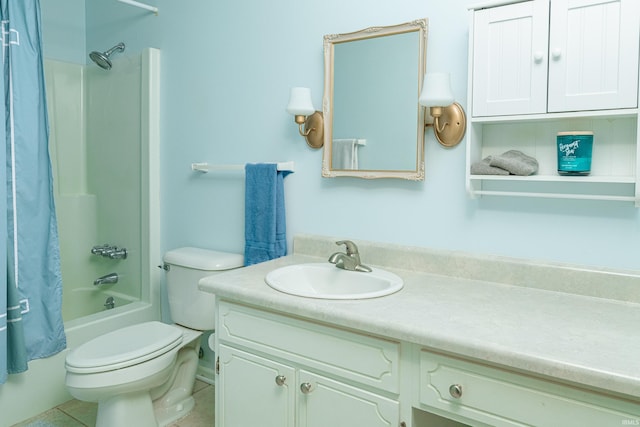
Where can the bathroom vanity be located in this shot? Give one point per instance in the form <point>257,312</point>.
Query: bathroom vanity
<point>467,341</point>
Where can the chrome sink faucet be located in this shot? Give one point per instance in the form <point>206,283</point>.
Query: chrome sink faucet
<point>350,260</point>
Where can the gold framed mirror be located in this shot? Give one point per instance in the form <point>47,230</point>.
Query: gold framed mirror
<point>373,124</point>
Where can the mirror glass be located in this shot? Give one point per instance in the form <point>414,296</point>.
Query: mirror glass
<point>373,124</point>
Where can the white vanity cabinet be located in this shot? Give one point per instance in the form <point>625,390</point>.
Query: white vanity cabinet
<point>539,67</point>
<point>276,370</point>
<point>279,371</point>
<point>496,397</point>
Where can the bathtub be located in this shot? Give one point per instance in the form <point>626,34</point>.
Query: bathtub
<point>81,302</point>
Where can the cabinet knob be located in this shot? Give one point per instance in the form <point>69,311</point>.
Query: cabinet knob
<point>281,379</point>
<point>538,57</point>
<point>556,54</point>
<point>305,388</point>
<point>455,390</point>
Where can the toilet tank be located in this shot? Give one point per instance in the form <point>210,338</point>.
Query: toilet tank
<point>185,267</point>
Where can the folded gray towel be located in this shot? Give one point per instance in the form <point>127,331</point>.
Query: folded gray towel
<point>483,167</point>
<point>516,162</point>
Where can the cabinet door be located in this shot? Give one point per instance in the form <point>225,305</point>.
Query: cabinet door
<point>331,403</point>
<point>253,391</point>
<point>510,45</point>
<point>593,54</point>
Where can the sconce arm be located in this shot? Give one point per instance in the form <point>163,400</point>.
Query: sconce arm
<point>436,113</point>
<point>436,125</point>
<point>302,131</point>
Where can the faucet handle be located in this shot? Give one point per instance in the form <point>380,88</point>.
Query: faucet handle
<point>352,249</point>
<point>101,249</point>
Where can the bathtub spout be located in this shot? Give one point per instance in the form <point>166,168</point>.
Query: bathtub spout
<point>106,279</point>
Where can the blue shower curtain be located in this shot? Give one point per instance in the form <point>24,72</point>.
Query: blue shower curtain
<point>31,324</point>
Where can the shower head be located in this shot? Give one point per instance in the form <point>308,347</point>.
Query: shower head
<point>102,58</point>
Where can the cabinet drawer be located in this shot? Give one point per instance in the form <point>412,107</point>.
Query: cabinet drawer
<point>502,398</point>
<point>367,360</point>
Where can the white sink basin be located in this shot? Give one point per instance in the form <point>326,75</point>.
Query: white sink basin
<point>325,280</point>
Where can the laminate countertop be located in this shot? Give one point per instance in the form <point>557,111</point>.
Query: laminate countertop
<point>587,340</point>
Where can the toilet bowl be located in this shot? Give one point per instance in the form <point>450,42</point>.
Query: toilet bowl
<point>145,373</point>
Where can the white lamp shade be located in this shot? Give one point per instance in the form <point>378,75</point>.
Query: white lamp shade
<point>300,102</point>
<point>436,90</point>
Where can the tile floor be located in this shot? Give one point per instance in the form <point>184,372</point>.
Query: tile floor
<point>75,413</point>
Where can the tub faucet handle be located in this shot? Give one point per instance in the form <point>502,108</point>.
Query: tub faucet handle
<point>109,251</point>
<point>118,253</point>
<point>101,249</point>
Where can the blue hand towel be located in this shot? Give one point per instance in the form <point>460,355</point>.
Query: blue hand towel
<point>264,228</point>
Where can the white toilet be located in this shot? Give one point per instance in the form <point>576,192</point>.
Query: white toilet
<point>144,374</point>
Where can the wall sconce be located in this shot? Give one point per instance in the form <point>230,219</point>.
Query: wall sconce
<point>301,107</point>
<point>449,119</point>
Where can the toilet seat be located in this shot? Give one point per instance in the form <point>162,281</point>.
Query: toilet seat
<point>124,347</point>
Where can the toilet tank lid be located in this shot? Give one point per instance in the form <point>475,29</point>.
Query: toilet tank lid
<point>203,259</point>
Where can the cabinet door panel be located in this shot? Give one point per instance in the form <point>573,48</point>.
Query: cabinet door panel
<point>594,54</point>
<point>510,59</point>
<point>247,394</point>
<point>331,403</point>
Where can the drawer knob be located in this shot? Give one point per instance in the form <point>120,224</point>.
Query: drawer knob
<point>455,391</point>
<point>305,388</point>
<point>281,379</point>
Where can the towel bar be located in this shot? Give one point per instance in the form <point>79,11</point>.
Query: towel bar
<point>206,167</point>
<point>140,5</point>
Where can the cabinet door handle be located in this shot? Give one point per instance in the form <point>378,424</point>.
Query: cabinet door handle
<point>538,57</point>
<point>556,54</point>
<point>305,388</point>
<point>455,390</point>
<point>281,379</point>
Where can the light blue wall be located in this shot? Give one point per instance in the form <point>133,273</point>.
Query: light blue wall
<point>63,30</point>
<point>227,66</point>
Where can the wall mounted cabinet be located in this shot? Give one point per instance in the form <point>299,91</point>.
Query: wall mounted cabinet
<point>538,67</point>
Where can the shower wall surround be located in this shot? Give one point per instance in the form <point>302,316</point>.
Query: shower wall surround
<point>96,154</point>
